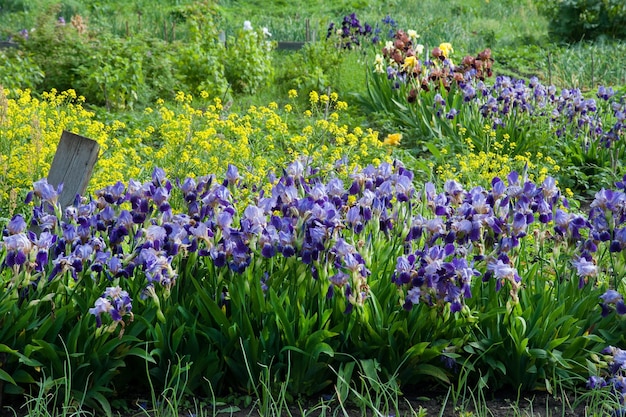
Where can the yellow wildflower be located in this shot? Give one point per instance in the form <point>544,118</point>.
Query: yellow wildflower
<point>314,98</point>
<point>341,105</point>
<point>292,94</point>
<point>393,139</point>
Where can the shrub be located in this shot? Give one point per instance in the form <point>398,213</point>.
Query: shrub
<point>198,62</point>
<point>314,67</point>
<point>58,47</point>
<point>18,70</point>
<point>575,20</point>
<point>247,59</point>
<point>113,75</point>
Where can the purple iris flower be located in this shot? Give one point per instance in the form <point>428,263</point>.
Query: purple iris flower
<point>339,279</point>
<point>114,302</point>
<point>469,93</point>
<point>157,267</point>
<point>612,297</point>
<point>608,200</point>
<point>254,220</point>
<point>18,247</point>
<point>232,175</point>
<point>16,225</point>
<point>43,243</point>
<point>502,270</point>
<point>114,194</point>
<point>404,270</point>
<point>452,114</point>
<point>619,242</point>
<point>585,268</point>
<point>353,218</point>
<point>154,236</point>
<point>63,264</point>
<point>160,196</point>
<point>47,192</point>
<point>596,382</point>
<point>439,100</point>
<point>159,177</point>
<point>404,188</point>
<point>225,220</point>
<point>413,295</point>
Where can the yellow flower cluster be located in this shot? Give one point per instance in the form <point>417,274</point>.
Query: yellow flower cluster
<point>31,128</point>
<point>480,167</point>
<point>178,137</point>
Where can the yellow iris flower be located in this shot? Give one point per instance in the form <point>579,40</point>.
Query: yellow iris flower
<point>446,49</point>
<point>410,62</point>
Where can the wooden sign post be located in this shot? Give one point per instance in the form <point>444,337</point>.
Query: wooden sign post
<point>73,165</point>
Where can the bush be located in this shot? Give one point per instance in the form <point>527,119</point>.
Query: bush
<point>575,20</point>
<point>198,62</point>
<point>18,70</point>
<point>58,47</point>
<point>247,59</point>
<point>314,67</point>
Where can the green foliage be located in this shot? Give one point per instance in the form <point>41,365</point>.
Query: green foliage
<point>314,67</point>
<point>523,61</point>
<point>248,61</point>
<point>584,65</point>
<point>198,68</point>
<point>198,63</point>
<point>112,77</point>
<point>576,20</point>
<point>18,70</point>
<point>546,338</point>
<point>58,49</point>
<point>50,335</point>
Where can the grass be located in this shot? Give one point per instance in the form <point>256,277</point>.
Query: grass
<point>371,396</point>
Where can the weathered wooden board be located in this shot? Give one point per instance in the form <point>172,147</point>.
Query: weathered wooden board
<point>73,165</point>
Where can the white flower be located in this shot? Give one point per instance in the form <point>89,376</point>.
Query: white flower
<point>379,64</point>
<point>412,34</point>
<point>419,49</point>
<point>247,25</point>
<point>388,46</point>
<point>267,33</point>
